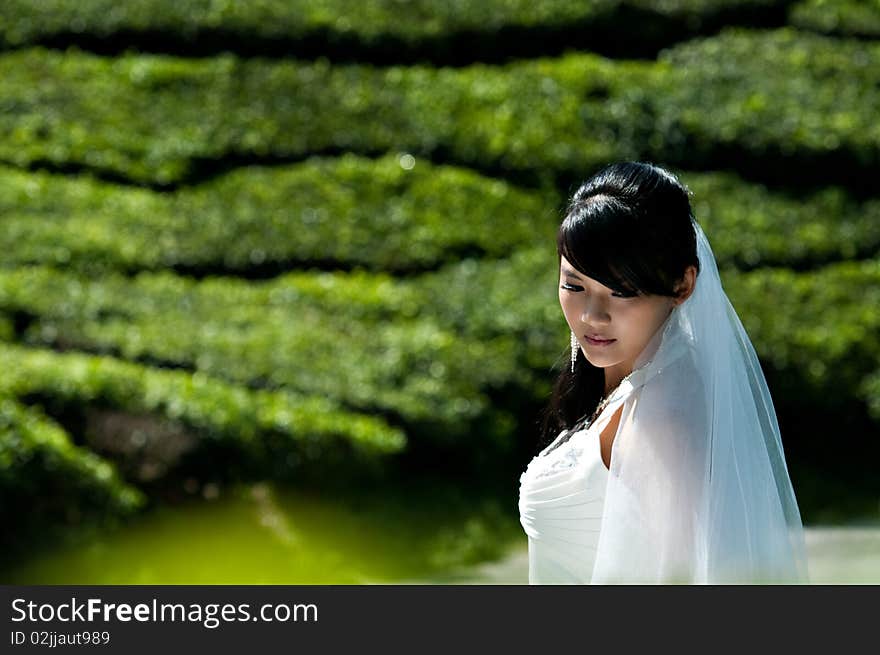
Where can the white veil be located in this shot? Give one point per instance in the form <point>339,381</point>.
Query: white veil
<point>698,491</point>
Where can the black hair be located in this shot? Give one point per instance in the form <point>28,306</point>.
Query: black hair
<point>630,227</point>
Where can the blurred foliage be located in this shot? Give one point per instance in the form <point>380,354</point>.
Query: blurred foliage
<point>813,99</point>
<point>820,327</point>
<point>400,216</point>
<point>352,349</point>
<point>147,117</point>
<point>398,220</point>
<point>754,226</point>
<point>273,433</point>
<point>47,483</point>
<point>388,29</point>
<point>843,17</point>
<point>153,119</point>
<point>400,26</point>
<point>215,409</point>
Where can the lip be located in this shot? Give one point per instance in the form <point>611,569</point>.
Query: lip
<point>599,342</point>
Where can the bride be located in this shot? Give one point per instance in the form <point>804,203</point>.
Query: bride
<point>667,463</point>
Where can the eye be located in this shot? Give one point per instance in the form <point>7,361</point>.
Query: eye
<point>616,294</point>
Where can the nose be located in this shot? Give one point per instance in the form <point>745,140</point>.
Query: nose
<point>594,313</point>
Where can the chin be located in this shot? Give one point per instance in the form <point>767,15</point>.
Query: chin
<point>601,362</point>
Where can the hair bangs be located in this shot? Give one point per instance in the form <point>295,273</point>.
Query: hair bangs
<point>593,247</point>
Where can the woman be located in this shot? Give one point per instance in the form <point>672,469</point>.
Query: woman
<point>667,464</point>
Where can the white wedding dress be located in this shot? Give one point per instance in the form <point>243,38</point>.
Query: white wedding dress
<point>561,495</point>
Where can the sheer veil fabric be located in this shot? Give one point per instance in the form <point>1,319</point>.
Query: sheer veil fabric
<point>698,490</point>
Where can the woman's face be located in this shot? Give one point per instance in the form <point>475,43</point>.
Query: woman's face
<point>591,308</point>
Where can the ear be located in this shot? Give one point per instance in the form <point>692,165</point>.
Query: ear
<point>686,285</point>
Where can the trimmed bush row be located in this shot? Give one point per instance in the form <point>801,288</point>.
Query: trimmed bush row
<point>375,214</point>
<point>394,214</point>
<point>150,118</point>
<point>708,103</point>
<point>216,410</point>
<point>821,326</point>
<point>61,484</point>
<point>45,480</point>
<point>318,334</point>
<point>841,17</point>
<point>381,29</point>
<point>815,99</point>
<point>752,226</point>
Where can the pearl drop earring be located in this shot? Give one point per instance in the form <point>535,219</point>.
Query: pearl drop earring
<point>574,350</point>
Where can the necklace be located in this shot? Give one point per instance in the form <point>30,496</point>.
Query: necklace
<point>576,427</point>
<point>602,404</point>
<point>607,397</point>
<point>600,407</point>
<point>604,401</point>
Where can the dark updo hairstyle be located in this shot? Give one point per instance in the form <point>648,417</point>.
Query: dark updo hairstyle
<point>629,227</point>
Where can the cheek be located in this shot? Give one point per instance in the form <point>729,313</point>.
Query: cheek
<point>639,323</point>
<point>566,305</point>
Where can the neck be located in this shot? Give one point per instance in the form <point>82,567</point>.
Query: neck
<point>612,380</point>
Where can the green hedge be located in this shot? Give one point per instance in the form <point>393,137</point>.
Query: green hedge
<point>820,327</point>
<point>712,103</point>
<point>152,118</point>
<point>320,335</point>
<point>378,28</point>
<point>46,480</point>
<point>753,226</point>
<point>210,407</point>
<point>375,214</point>
<point>814,101</point>
<point>394,214</point>
<point>841,17</point>
<point>271,434</point>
